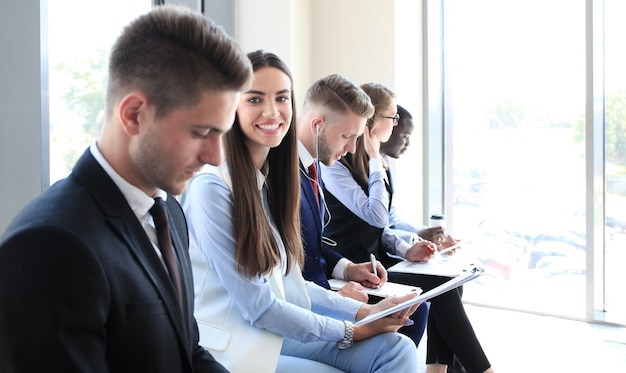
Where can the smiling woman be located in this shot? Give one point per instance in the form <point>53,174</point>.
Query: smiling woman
<point>266,110</point>
<point>244,216</point>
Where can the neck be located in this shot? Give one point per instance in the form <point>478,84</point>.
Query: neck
<point>309,144</point>
<point>259,155</point>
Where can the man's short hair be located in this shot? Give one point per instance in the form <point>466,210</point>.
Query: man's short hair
<point>173,54</point>
<point>404,113</point>
<point>340,95</point>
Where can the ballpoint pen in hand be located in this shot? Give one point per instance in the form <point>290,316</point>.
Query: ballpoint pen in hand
<point>373,261</point>
<point>432,248</point>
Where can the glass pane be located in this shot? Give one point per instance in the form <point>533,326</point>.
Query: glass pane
<point>80,35</point>
<point>515,108</point>
<point>615,166</point>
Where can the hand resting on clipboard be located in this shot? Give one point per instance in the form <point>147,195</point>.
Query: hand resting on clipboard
<point>468,275</point>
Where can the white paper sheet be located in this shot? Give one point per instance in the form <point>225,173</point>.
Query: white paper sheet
<point>388,289</point>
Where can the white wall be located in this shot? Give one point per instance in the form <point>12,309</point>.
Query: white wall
<point>365,40</point>
<point>281,27</point>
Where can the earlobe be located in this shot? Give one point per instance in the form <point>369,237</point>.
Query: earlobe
<point>130,110</point>
<point>316,123</point>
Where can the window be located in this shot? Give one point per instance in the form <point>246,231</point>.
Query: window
<point>80,35</point>
<point>615,162</point>
<point>514,107</point>
<point>516,154</point>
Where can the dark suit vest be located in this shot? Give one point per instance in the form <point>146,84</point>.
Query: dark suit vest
<point>356,239</point>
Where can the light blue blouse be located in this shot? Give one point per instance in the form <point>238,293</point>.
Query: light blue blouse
<point>208,207</point>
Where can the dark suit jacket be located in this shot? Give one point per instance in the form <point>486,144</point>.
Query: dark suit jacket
<point>83,290</point>
<point>320,260</point>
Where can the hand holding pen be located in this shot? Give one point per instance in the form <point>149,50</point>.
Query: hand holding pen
<point>421,251</point>
<point>446,244</point>
<point>373,262</point>
<point>364,273</point>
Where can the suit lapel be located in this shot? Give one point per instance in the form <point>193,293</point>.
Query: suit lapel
<point>124,223</point>
<point>307,189</point>
<point>180,240</point>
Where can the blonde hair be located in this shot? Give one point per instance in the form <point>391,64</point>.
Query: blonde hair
<point>381,97</point>
<point>339,95</point>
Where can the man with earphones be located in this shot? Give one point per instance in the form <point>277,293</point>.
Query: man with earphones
<point>332,117</point>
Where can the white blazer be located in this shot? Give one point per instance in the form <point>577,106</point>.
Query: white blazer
<point>233,341</point>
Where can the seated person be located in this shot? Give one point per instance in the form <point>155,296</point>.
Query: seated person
<point>397,144</point>
<point>333,115</point>
<point>358,194</point>
<point>252,303</point>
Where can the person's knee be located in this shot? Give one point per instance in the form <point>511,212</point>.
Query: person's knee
<point>405,342</point>
<point>289,364</point>
<point>406,350</point>
<point>400,343</point>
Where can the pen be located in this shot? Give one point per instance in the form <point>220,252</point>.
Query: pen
<point>373,260</point>
<point>453,247</point>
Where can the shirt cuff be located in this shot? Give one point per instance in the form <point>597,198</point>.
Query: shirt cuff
<point>376,165</point>
<point>403,247</point>
<point>340,268</point>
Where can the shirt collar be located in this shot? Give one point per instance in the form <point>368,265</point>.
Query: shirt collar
<point>139,201</point>
<point>305,157</point>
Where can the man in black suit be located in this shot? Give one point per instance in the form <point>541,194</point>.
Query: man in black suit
<point>83,281</point>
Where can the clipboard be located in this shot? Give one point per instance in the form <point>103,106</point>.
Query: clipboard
<point>438,266</point>
<point>388,289</point>
<point>467,275</point>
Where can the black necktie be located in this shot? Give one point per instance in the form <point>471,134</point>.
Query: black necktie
<point>159,215</point>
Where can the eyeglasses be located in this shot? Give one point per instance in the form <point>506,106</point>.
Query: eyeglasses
<point>395,118</point>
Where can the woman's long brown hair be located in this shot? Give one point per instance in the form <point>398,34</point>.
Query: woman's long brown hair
<point>256,250</point>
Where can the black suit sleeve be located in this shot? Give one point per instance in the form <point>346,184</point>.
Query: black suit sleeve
<point>204,362</point>
<point>54,300</point>
<point>332,258</point>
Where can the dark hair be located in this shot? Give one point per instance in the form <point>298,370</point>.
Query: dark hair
<point>404,113</point>
<point>256,249</point>
<point>172,55</point>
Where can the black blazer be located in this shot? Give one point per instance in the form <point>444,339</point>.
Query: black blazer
<point>83,290</point>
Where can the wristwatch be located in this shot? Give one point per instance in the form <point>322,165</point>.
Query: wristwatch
<point>348,336</point>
